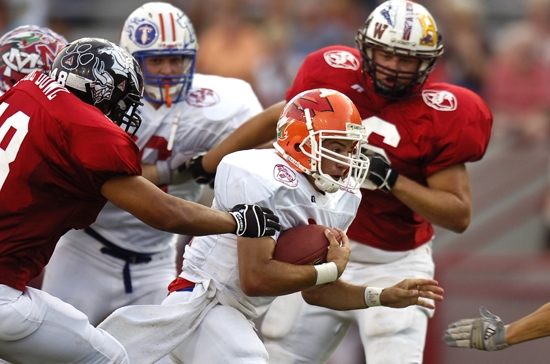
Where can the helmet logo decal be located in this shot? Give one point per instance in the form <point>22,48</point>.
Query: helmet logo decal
<point>285,175</point>
<point>77,53</point>
<point>20,61</point>
<point>282,125</point>
<point>122,86</point>
<point>342,59</point>
<point>142,32</point>
<point>68,62</point>
<point>379,30</point>
<point>407,27</point>
<point>386,14</point>
<point>102,86</point>
<point>440,100</point>
<point>145,34</point>
<point>184,22</point>
<point>123,64</point>
<point>429,33</point>
<point>314,104</point>
<point>203,97</point>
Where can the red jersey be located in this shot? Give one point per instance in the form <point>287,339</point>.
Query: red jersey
<point>441,126</point>
<point>55,154</point>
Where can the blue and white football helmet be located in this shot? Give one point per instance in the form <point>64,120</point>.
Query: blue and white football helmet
<point>160,29</point>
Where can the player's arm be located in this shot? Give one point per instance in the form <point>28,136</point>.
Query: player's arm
<point>533,326</point>
<point>150,172</point>
<point>446,201</point>
<point>341,295</point>
<point>258,130</point>
<point>156,208</point>
<point>261,275</point>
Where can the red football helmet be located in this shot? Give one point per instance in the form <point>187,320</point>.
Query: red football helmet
<point>25,49</point>
<point>310,118</point>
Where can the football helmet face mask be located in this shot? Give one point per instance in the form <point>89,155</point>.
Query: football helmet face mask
<point>25,49</point>
<point>401,28</point>
<point>309,119</point>
<point>160,29</point>
<point>102,74</point>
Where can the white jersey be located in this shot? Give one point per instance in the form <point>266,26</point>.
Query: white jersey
<point>216,106</point>
<point>264,178</point>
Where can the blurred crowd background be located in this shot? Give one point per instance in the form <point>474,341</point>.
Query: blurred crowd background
<point>489,44</point>
<point>497,48</point>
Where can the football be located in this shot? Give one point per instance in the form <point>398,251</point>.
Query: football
<point>304,244</point>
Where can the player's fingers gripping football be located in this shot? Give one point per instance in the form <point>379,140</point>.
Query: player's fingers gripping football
<point>412,292</point>
<point>339,249</point>
<point>254,221</point>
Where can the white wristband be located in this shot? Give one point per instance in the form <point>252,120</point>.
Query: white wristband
<point>326,272</point>
<point>372,296</point>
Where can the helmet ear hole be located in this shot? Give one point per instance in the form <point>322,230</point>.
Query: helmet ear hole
<point>297,147</point>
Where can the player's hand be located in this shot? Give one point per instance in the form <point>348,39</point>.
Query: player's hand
<point>254,221</point>
<point>381,174</point>
<point>172,171</point>
<point>487,332</point>
<point>410,291</point>
<point>194,165</point>
<point>338,252</point>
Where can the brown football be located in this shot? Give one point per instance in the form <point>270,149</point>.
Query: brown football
<point>304,244</point>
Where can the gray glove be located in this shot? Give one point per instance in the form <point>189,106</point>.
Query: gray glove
<point>487,332</point>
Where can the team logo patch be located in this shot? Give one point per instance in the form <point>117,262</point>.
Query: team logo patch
<point>440,100</point>
<point>203,97</point>
<point>285,175</point>
<point>342,59</point>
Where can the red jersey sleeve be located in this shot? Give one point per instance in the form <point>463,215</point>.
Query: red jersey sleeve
<point>462,134</point>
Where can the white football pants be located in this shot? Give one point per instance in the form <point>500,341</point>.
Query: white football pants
<point>39,328</point>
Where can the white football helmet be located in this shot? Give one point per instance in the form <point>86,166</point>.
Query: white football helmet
<point>160,29</point>
<point>403,28</point>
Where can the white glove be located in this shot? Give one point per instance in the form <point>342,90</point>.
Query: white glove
<point>169,171</point>
<point>487,332</point>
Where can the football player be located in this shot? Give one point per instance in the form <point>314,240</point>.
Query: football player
<point>420,135</point>
<point>311,177</point>
<point>64,154</point>
<point>119,260</point>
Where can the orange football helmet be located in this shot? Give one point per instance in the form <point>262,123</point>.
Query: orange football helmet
<point>312,117</point>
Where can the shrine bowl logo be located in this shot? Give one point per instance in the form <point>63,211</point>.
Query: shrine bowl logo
<point>285,175</point>
<point>342,59</point>
<point>440,100</point>
<point>203,97</point>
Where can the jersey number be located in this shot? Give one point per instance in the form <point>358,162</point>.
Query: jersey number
<point>12,132</point>
<point>386,130</point>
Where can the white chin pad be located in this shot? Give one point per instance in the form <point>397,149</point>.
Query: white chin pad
<point>154,91</point>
